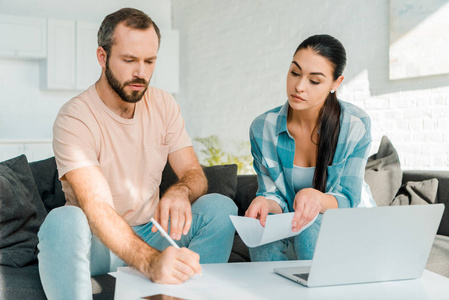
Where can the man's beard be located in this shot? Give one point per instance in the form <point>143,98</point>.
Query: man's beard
<point>119,88</point>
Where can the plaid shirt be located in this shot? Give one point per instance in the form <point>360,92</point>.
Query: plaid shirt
<point>273,150</point>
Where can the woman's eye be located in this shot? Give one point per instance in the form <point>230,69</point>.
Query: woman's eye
<point>294,73</point>
<point>314,82</point>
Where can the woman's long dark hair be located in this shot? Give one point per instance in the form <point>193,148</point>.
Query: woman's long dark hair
<point>329,116</point>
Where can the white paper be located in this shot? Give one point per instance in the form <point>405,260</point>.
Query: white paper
<point>277,227</point>
<point>131,284</point>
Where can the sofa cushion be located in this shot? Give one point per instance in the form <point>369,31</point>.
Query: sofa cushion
<point>21,283</point>
<point>417,192</point>
<point>383,173</point>
<point>443,191</point>
<point>239,252</point>
<point>222,179</point>
<point>25,283</point>
<point>45,175</point>
<point>21,213</point>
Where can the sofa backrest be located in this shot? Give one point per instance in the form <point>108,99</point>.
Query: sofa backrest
<point>246,192</point>
<point>247,188</point>
<point>46,177</point>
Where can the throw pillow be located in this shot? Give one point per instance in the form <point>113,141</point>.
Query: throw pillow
<point>222,179</point>
<point>417,192</point>
<point>383,173</point>
<point>21,213</point>
<point>46,177</point>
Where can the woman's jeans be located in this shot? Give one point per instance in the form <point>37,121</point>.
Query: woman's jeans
<point>300,247</point>
<point>70,254</point>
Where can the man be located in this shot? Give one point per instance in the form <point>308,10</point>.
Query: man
<point>111,144</point>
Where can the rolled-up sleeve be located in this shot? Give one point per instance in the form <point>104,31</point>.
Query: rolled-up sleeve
<point>267,187</point>
<point>346,178</point>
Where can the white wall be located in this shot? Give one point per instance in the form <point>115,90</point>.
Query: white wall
<point>234,60</point>
<point>235,56</point>
<point>26,112</point>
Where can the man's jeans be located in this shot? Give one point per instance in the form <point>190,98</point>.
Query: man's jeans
<point>300,247</point>
<point>70,254</point>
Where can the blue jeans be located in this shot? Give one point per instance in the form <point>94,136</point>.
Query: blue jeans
<point>69,254</point>
<point>300,247</point>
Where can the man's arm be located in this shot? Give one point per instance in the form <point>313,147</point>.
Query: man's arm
<point>94,196</point>
<point>176,202</point>
<point>188,169</point>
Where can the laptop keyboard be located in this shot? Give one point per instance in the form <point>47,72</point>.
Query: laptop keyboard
<point>304,276</point>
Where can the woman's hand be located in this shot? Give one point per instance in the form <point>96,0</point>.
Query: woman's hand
<point>307,206</point>
<point>260,207</point>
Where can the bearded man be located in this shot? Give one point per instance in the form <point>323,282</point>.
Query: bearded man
<point>111,144</point>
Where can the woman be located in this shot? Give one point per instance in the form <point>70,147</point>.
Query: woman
<point>309,154</point>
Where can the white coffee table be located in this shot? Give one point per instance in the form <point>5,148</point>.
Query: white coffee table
<point>257,281</point>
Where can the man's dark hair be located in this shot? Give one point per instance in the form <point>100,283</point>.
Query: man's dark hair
<point>131,17</point>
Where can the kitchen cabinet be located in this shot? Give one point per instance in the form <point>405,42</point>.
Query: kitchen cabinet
<point>88,70</point>
<point>58,69</point>
<point>23,38</point>
<point>67,50</point>
<point>71,62</point>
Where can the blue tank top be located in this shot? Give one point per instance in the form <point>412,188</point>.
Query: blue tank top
<point>302,177</point>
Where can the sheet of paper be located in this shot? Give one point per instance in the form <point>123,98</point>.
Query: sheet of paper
<point>277,227</point>
<point>131,284</point>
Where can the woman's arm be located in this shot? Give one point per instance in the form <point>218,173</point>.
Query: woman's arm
<point>269,199</point>
<point>345,179</point>
<point>309,202</point>
<point>266,186</point>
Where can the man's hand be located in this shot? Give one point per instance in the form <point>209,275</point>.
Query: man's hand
<point>260,207</point>
<point>174,205</point>
<point>177,200</point>
<point>173,266</point>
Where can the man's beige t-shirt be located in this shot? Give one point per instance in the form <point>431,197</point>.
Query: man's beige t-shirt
<point>131,152</point>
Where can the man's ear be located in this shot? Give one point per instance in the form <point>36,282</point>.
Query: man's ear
<point>101,57</point>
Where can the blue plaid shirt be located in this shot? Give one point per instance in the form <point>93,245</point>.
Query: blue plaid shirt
<point>273,150</point>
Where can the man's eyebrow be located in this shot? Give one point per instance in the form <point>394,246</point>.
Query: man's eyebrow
<point>313,73</point>
<point>128,56</point>
<point>134,57</point>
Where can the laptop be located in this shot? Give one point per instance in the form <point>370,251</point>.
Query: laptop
<point>360,245</point>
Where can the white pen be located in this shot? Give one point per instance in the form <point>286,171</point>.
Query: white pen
<point>164,233</point>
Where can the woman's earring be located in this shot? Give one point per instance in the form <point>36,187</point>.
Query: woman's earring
<point>332,91</point>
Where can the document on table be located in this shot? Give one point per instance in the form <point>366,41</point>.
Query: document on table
<point>277,227</point>
<point>131,284</point>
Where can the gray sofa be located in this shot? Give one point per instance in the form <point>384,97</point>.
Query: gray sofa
<point>24,283</point>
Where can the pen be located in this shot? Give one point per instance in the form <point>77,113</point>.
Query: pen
<point>164,233</point>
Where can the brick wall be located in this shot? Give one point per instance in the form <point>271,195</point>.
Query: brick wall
<point>235,57</point>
